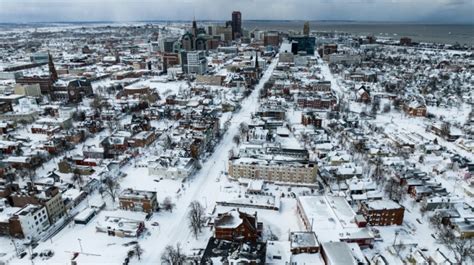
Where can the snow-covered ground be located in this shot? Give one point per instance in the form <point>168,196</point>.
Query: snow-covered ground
<point>207,187</point>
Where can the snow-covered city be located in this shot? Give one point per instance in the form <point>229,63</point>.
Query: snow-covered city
<point>208,142</point>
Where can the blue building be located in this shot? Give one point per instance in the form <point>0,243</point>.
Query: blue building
<point>302,44</point>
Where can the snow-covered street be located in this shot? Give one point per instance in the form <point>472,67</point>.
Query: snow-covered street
<point>203,186</point>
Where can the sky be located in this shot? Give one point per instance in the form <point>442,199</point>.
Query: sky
<point>425,11</point>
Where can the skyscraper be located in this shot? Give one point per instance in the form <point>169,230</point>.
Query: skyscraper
<point>306,28</point>
<point>52,70</point>
<point>236,25</point>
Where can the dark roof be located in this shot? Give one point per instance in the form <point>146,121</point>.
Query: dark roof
<point>223,249</point>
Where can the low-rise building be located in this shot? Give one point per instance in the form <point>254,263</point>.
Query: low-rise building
<point>171,167</point>
<point>304,242</point>
<point>237,225</point>
<point>382,212</point>
<point>29,222</point>
<point>284,171</point>
<point>138,200</point>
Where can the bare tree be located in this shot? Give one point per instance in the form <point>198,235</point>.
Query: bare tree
<point>445,129</point>
<point>112,188</point>
<point>168,205</point>
<point>167,141</point>
<point>462,248</point>
<point>270,234</point>
<point>172,255</point>
<point>399,247</point>
<point>196,217</point>
<point>77,177</point>
<point>375,107</point>
<point>244,128</point>
<point>394,190</point>
<point>96,102</point>
<point>236,139</point>
<point>138,251</point>
<point>378,170</point>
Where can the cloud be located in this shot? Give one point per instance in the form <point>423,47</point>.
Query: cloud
<point>134,10</point>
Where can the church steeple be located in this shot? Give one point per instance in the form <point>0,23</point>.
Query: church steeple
<point>194,31</point>
<point>52,70</point>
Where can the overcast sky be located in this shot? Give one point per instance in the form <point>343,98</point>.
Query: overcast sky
<point>437,11</point>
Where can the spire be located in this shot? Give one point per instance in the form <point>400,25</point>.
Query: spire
<point>194,30</point>
<point>52,70</point>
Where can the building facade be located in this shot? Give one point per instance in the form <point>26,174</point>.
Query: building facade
<point>138,200</point>
<point>382,212</point>
<point>236,25</point>
<point>297,172</point>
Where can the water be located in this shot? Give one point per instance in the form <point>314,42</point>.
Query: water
<point>438,33</point>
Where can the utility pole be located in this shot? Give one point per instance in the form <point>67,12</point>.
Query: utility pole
<point>395,239</point>
<point>14,245</point>
<point>80,244</point>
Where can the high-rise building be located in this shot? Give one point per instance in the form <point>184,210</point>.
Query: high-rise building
<point>194,62</point>
<point>236,25</point>
<point>167,44</point>
<point>306,28</point>
<point>303,44</point>
<point>52,70</point>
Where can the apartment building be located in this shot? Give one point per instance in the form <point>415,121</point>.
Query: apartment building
<point>282,171</point>
<point>383,212</point>
<point>138,200</point>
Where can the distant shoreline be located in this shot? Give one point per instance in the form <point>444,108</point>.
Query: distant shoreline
<point>244,22</point>
<point>444,33</point>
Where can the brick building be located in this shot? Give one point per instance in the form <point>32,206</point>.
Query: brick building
<point>382,212</point>
<point>138,200</point>
<point>237,225</point>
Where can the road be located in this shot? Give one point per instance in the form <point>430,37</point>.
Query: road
<point>204,185</point>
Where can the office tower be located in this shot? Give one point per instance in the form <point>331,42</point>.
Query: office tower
<point>306,28</point>
<point>236,25</point>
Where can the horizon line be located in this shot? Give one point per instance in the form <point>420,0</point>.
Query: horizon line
<point>243,22</point>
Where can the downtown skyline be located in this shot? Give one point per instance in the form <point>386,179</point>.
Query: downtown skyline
<point>423,11</point>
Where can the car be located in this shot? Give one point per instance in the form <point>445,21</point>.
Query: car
<point>48,253</point>
<point>155,224</point>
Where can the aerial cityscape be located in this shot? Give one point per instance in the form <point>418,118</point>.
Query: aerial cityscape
<point>244,140</point>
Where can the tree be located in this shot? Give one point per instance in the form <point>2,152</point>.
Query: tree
<point>270,234</point>
<point>196,217</point>
<point>112,188</point>
<point>462,248</point>
<point>31,175</point>
<point>167,141</point>
<point>138,251</point>
<point>168,205</point>
<point>236,139</point>
<point>394,190</point>
<point>96,102</point>
<point>244,128</point>
<point>172,255</point>
<point>399,247</point>
<point>445,129</point>
<point>378,170</point>
<point>10,178</point>
<point>77,177</point>
<point>375,107</point>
